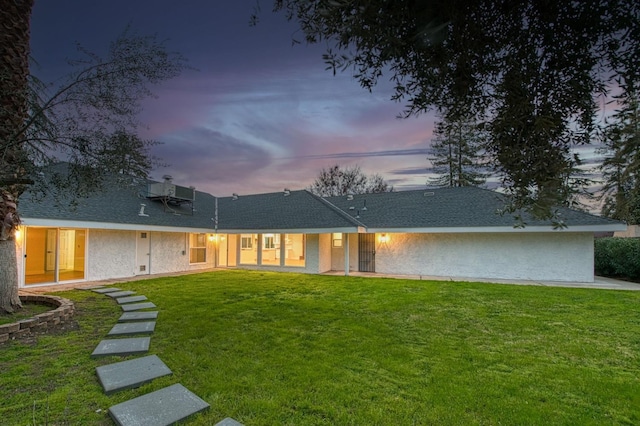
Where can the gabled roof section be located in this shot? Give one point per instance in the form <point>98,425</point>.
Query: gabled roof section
<point>465,207</point>
<point>295,211</point>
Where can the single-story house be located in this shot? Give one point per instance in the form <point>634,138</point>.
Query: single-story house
<point>160,227</point>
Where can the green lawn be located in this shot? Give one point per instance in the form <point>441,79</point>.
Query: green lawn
<point>289,349</point>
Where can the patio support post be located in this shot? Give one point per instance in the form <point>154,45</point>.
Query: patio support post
<point>345,238</point>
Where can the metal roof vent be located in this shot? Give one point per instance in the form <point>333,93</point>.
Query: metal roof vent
<point>287,192</point>
<point>167,178</point>
<point>234,196</point>
<point>429,194</point>
<point>350,197</point>
<point>364,209</point>
<point>141,212</point>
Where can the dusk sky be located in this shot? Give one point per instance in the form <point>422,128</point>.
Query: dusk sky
<point>258,114</point>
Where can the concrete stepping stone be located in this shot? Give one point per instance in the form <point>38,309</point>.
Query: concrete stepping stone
<point>130,299</point>
<point>138,316</point>
<point>123,293</point>
<point>128,346</point>
<point>131,374</point>
<point>137,306</point>
<point>129,328</point>
<point>228,422</point>
<point>106,290</point>
<point>160,408</point>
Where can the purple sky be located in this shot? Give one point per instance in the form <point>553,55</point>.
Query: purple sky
<point>259,114</point>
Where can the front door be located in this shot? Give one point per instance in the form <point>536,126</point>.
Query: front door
<point>143,251</point>
<point>367,252</point>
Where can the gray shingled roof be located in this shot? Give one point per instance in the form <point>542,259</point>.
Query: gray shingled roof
<point>119,205</point>
<point>466,207</point>
<point>300,210</point>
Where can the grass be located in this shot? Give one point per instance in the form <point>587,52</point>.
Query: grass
<point>288,349</point>
<point>29,310</point>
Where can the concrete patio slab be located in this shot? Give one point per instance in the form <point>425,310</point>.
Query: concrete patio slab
<point>122,293</point>
<point>138,316</point>
<point>137,306</point>
<point>129,328</point>
<point>228,422</point>
<point>106,290</point>
<point>129,346</point>
<point>130,299</point>
<point>163,407</point>
<point>131,374</point>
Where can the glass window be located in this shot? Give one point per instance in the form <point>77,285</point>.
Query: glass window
<point>249,249</point>
<point>197,248</point>
<point>271,249</point>
<point>294,254</point>
<point>336,237</point>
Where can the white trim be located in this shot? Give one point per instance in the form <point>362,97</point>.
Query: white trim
<point>54,223</point>
<point>50,223</point>
<point>290,231</point>
<point>499,229</point>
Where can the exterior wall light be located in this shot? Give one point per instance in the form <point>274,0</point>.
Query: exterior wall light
<point>18,234</point>
<point>213,237</point>
<point>383,238</point>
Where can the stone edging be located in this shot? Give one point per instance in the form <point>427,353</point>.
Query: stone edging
<point>42,322</point>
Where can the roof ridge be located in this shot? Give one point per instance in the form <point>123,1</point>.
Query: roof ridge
<point>336,209</point>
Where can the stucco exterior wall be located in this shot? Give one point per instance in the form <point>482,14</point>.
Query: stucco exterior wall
<point>324,251</point>
<point>110,254</point>
<point>535,256</point>
<point>169,252</point>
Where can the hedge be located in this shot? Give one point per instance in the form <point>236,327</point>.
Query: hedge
<point>617,257</point>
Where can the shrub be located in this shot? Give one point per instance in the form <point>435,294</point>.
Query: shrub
<point>617,257</point>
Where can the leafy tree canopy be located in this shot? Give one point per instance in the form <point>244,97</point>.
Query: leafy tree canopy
<point>531,71</point>
<point>337,181</point>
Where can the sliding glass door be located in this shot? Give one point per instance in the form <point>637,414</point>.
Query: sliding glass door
<point>54,254</point>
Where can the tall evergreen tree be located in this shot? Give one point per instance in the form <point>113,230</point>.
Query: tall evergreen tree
<point>621,165</point>
<point>456,154</point>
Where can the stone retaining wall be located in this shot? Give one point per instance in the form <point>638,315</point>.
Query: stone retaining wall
<point>42,322</point>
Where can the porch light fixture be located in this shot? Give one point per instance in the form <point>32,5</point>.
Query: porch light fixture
<point>17,234</point>
<point>383,238</point>
<point>212,237</point>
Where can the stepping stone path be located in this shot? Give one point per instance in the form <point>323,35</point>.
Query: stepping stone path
<point>137,306</point>
<point>162,407</point>
<point>121,293</point>
<point>128,328</point>
<point>130,299</point>
<point>131,374</point>
<point>138,316</point>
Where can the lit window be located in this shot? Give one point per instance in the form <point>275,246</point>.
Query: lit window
<point>197,248</point>
<point>294,250</point>
<point>271,249</point>
<point>336,237</point>
<point>249,249</point>
<point>246,242</point>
